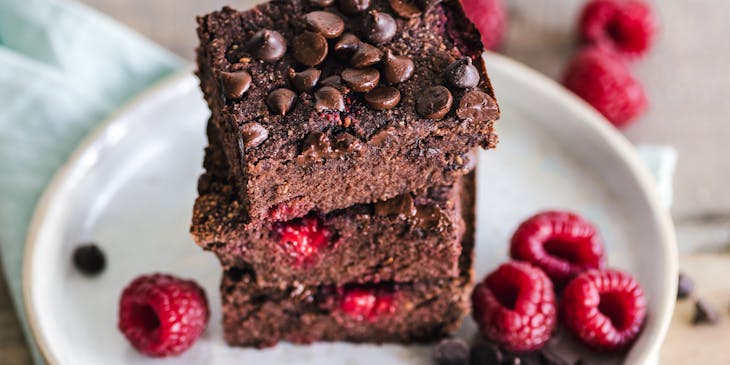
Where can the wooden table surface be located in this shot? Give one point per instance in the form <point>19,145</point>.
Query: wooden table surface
<point>688,84</point>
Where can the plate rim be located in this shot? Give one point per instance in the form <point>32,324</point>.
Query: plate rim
<point>618,143</point>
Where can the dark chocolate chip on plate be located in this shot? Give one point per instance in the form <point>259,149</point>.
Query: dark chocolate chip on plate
<point>353,6</point>
<point>280,101</point>
<point>304,80</point>
<point>397,69</point>
<point>406,8</point>
<point>309,48</point>
<point>89,259</point>
<point>383,97</point>
<point>234,84</point>
<point>705,313</point>
<point>451,351</point>
<point>329,98</point>
<point>253,134</point>
<point>366,55</point>
<point>321,3</point>
<point>685,286</point>
<point>361,79</point>
<point>379,27</point>
<point>346,45</point>
<point>329,24</point>
<point>462,73</point>
<point>477,106</point>
<point>267,45</point>
<point>434,102</point>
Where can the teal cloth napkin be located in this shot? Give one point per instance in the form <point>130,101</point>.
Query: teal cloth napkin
<point>63,69</point>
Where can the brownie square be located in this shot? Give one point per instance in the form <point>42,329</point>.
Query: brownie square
<point>415,236</point>
<point>287,86</point>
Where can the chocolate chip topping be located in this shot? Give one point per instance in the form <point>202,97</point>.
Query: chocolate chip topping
<point>401,206</point>
<point>336,82</point>
<point>361,79</point>
<point>383,98</point>
<point>477,106</point>
<point>330,25</point>
<point>304,80</point>
<point>346,45</point>
<point>234,84</point>
<point>309,48</point>
<point>705,313</point>
<point>366,55</point>
<point>253,134</point>
<point>431,217</point>
<point>329,98</point>
<point>316,146</point>
<point>397,69</point>
<point>89,259</point>
<point>462,74</point>
<point>379,27</point>
<point>406,8</point>
<point>351,7</point>
<point>348,143</point>
<point>434,103</point>
<point>280,101</point>
<point>321,3</point>
<point>267,45</point>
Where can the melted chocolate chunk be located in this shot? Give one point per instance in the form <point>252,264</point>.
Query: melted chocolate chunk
<point>383,98</point>
<point>477,106</point>
<point>462,74</point>
<point>434,103</point>
<point>329,98</point>
<point>351,7</point>
<point>361,79</point>
<point>304,80</point>
<point>253,134</point>
<point>406,8</point>
<point>330,25</point>
<point>431,217</point>
<point>267,45</point>
<point>316,146</point>
<point>234,84</point>
<point>309,48</point>
<point>346,45</point>
<point>348,143</point>
<point>401,206</point>
<point>379,27</point>
<point>366,55</point>
<point>397,69</point>
<point>280,101</point>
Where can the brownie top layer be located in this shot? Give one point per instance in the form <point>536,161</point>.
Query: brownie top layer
<point>293,70</point>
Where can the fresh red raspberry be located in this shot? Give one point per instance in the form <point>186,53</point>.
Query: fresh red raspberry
<point>623,26</point>
<point>490,18</point>
<point>605,309</point>
<point>562,244</point>
<point>606,82</point>
<point>162,315</point>
<point>367,303</point>
<point>515,307</point>
<point>303,238</point>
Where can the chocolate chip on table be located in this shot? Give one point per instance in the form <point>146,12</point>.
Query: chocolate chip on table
<point>397,69</point>
<point>346,45</point>
<point>361,79</point>
<point>478,106</point>
<point>462,73</point>
<point>267,45</point>
<point>486,353</point>
<point>705,313</point>
<point>321,3</point>
<point>434,102</point>
<point>685,286</point>
<point>253,134</point>
<point>366,55</point>
<point>234,84</point>
<point>329,24</point>
<point>89,259</point>
<point>451,351</point>
<point>309,48</point>
<point>304,80</point>
<point>379,27</point>
<point>351,7</point>
<point>406,8</point>
<point>329,98</point>
<point>383,97</point>
<point>280,101</point>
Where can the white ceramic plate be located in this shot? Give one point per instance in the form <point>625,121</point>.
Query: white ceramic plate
<point>131,185</point>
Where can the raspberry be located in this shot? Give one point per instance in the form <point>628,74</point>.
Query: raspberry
<point>562,244</point>
<point>367,303</point>
<point>515,307</point>
<point>623,26</point>
<point>490,18</point>
<point>303,238</point>
<point>606,82</point>
<point>162,315</point>
<point>605,309</point>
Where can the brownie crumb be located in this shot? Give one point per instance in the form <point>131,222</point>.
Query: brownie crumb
<point>451,351</point>
<point>89,259</point>
<point>685,286</point>
<point>705,313</point>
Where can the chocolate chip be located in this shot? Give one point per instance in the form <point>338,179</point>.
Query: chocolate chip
<point>330,25</point>
<point>353,6</point>
<point>309,48</point>
<point>336,82</point>
<point>401,206</point>
<point>234,84</point>
<point>379,27</point>
<point>346,45</point>
<point>685,286</point>
<point>486,354</point>
<point>348,143</point>
<point>304,80</point>
<point>267,45</point>
<point>451,351</point>
<point>406,8</point>
<point>477,106</point>
<point>321,3</point>
<point>329,98</point>
<point>383,98</point>
<point>434,103</point>
<point>361,79</point>
<point>431,217</point>
<point>316,146</point>
<point>280,101</point>
<point>253,134</point>
<point>366,55</point>
<point>548,357</point>
<point>397,69</point>
<point>705,313</point>
<point>89,259</point>
<point>462,73</point>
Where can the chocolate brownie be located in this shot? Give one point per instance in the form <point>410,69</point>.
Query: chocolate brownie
<point>327,104</point>
<point>412,237</point>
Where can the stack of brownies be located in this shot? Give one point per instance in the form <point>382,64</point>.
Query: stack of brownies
<point>338,192</point>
